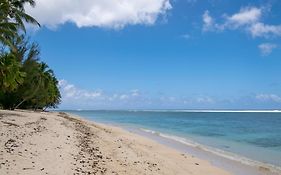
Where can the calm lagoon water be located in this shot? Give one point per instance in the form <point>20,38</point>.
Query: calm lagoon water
<point>254,135</point>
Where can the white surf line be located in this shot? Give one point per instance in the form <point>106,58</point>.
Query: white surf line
<point>225,154</point>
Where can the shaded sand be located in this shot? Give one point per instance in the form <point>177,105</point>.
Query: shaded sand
<point>57,144</point>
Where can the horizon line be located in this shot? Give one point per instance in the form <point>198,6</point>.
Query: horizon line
<point>178,110</point>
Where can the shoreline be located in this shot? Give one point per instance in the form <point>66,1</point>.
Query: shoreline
<point>231,162</point>
<point>60,143</point>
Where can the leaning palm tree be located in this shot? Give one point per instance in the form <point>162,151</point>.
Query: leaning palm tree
<point>31,83</point>
<point>47,94</point>
<point>41,77</point>
<point>29,57</point>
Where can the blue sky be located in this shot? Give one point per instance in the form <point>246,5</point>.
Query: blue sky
<point>163,54</point>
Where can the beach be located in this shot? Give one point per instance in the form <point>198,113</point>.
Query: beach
<point>60,143</point>
<point>124,87</point>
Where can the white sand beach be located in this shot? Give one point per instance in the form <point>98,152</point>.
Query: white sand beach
<point>59,143</point>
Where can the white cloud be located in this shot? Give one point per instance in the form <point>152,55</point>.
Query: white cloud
<point>74,95</point>
<point>268,97</point>
<point>263,30</point>
<point>71,91</point>
<point>77,98</point>
<point>247,19</point>
<point>208,21</point>
<point>98,13</point>
<point>266,48</point>
<point>246,15</point>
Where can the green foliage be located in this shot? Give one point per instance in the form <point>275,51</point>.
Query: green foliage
<point>48,93</point>
<point>38,88</point>
<point>12,18</point>
<point>25,82</point>
<point>10,73</point>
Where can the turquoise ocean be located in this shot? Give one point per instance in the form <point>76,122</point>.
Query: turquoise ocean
<point>252,137</point>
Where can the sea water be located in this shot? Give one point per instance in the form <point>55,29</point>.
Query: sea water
<point>251,135</point>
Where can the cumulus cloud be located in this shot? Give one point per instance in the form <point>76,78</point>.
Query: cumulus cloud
<point>261,29</point>
<point>246,15</point>
<point>74,97</point>
<point>248,19</point>
<point>266,48</point>
<point>98,13</point>
<point>268,97</point>
<point>80,98</point>
<point>71,91</point>
<point>208,21</point>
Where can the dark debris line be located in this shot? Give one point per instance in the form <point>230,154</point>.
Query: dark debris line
<point>89,159</point>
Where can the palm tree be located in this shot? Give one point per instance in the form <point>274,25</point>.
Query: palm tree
<point>24,80</point>
<point>39,80</point>
<point>12,18</point>
<point>17,12</point>
<point>10,73</point>
<point>48,94</point>
<point>54,97</point>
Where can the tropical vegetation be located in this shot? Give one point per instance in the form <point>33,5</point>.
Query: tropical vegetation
<point>25,81</point>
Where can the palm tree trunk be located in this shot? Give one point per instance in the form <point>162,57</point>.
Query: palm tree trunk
<point>30,95</point>
<point>20,103</point>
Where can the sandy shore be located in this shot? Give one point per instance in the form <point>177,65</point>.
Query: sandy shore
<point>57,143</point>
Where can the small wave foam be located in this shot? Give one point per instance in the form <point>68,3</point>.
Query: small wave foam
<point>172,137</point>
<point>216,151</point>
